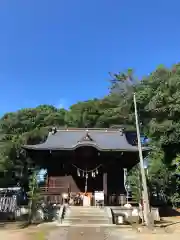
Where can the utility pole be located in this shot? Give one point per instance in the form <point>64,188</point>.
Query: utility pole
<point>145,196</point>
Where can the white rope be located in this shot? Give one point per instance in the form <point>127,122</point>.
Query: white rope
<point>87,171</point>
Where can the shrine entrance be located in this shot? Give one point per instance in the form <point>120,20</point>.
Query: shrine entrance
<point>85,161</point>
<point>86,168</point>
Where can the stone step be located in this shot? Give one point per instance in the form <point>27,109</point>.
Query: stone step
<point>94,225</point>
<point>87,221</point>
<point>87,210</point>
<point>86,213</point>
<point>86,217</point>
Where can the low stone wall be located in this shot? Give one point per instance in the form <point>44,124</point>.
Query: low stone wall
<point>133,214</point>
<point>110,215</point>
<point>52,213</point>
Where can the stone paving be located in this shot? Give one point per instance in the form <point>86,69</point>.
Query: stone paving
<point>12,235</point>
<point>90,233</point>
<point>87,233</point>
<point>105,233</point>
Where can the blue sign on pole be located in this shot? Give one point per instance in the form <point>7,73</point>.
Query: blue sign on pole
<point>144,140</point>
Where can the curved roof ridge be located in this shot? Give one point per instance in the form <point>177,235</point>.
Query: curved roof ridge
<point>103,139</point>
<point>88,130</point>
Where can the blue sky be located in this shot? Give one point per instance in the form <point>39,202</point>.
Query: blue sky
<point>60,51</point>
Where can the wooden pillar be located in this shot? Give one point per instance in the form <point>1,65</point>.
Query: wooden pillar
<point>105,187</point>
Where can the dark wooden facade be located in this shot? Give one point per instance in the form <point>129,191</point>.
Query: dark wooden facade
<point>63,176</point>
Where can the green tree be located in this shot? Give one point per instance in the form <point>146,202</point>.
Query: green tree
<point>158,101</point>
<point>159,112</point>
<point>26,126</point>
<point>34,196</point>
<point>158,108</point>
<point>83,114</point>
<point>134,180</point>
<point>175,191</point>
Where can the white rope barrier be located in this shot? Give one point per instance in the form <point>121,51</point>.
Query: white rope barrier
<point>87,171</point>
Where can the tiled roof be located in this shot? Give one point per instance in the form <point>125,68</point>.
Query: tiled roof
<point>103,140</point>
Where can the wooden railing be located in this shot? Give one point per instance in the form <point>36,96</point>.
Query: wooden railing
<point>53,194</point>
<point>59,189</point>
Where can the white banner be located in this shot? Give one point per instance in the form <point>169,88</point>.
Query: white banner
<point>99,196</point>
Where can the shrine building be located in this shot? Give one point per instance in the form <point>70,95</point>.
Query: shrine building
<point>86,160</point>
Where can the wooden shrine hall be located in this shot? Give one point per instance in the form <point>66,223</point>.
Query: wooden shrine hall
<point>86,160</point>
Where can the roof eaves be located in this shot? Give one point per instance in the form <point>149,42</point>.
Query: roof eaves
<point>40,147</point>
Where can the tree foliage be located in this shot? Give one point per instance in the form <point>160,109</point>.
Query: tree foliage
<point>134,180</point>
<point>159,112</point>
<point>33,195</point>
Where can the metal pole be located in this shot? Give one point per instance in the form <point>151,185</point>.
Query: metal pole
<point>143,175</point>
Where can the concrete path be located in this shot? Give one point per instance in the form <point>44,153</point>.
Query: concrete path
<point>90,233</point>
<point>12,235</point>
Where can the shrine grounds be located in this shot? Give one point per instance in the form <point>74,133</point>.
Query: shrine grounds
<point>12,231</point>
